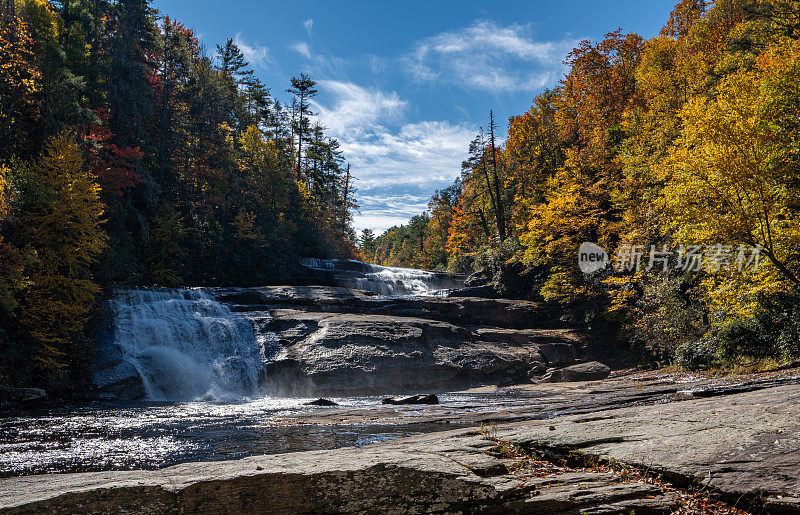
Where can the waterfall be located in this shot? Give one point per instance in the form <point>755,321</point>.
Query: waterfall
<point>399,281</point>
<point>184,344</point>
<point>385,280</point>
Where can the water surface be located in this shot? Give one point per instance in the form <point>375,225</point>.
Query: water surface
<point>148,435</point>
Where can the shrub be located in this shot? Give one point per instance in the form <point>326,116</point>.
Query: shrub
<point>772,332</point>
<point>507,273</point>
<point>697,355</point>
<point>667,315</point>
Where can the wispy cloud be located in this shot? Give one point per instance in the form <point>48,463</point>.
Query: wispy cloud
<point>489,57</point>
<point>309,26</point>
<point>379,212</point>
<point>355,109</point>
<point>257,55</point>
<point>417,158</point>
<point>302,49</point>
<point>397,164</point>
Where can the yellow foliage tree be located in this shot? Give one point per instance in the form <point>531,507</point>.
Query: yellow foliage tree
<point>63,227</point>
<point>730,178</point>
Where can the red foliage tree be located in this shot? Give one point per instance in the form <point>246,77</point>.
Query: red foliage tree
<point>113,166</point>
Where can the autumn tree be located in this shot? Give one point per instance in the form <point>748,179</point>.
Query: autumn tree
<point>580,203</point>
<point>442,209</point>
<point>20,88</point>
<point>112,166</point>
<point>61,221</point>
<point>64,103</point>
<point>534,152</point>
<point>500,211</point>
<point>731,178</point>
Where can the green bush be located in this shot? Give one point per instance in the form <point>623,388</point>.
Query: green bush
<point>772,332</point>
<point>743,340</point>
<point>697,355</point>
<point>507,273</point>
<point>666,321</point>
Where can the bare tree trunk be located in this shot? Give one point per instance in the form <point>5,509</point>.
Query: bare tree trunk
<point>499,209</point>
<point>344,196</point>
<point>484,223</point>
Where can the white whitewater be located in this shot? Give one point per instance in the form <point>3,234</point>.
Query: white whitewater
<point>185,345</point>
<point>384,280</point>
<point>387,280</point>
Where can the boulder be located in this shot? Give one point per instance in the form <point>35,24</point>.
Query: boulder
<point>321,402</point>
<point>591,371</point>
<point>412,399</point>
<point>477,279</point>
<point>329,354</point>
<point>483,292</point>
<point>119,380</point>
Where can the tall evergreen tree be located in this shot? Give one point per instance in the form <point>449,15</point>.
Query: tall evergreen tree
<point>131,72</point>
<point>303,91</point>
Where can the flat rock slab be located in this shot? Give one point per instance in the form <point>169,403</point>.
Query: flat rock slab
<point>591,371</point>
<point>416,476</point>
<point>736,444</point>
<point>742,443</point>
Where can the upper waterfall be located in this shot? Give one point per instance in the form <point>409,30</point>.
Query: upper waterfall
<point>184,344</point>
<point>384,280</point>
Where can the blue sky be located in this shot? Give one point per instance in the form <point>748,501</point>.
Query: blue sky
<point>405,85</point>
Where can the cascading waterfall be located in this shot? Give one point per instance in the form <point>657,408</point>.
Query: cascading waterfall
<point>385,280</point>
<point>399,281</point>
<point>185,345</point>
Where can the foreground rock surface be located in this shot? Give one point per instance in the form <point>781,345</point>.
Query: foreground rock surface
<point>739,444</point>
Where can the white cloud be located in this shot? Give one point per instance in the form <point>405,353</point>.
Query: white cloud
<point>378,223</point>
<point>258,56</point>
<point>420,156</point>
<point>397,164</point>
<point>379,212</point>
<point>302,49</point>
<point>356,109</point>
<point>489,57</point>
<point>309,26</point>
